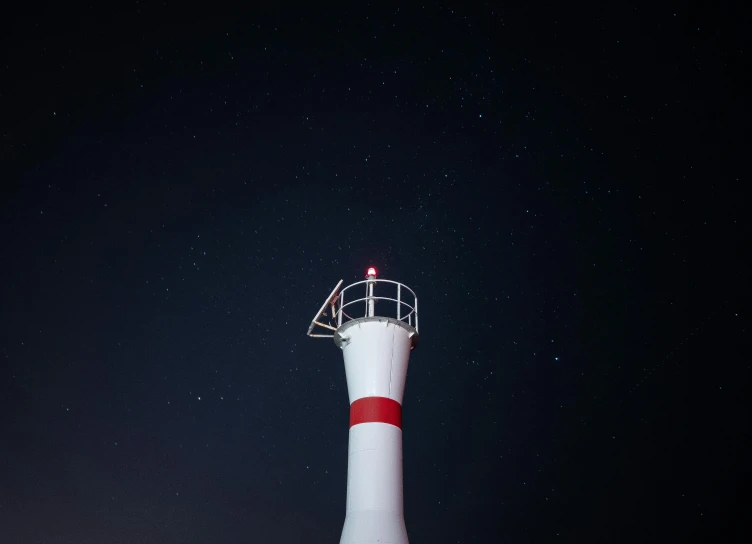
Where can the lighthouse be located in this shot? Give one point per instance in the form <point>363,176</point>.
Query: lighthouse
<point>375,324</point>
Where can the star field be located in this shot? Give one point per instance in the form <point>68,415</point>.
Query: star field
<point>561,186</point>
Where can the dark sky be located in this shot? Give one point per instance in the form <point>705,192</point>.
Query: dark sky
<point>561,186</point>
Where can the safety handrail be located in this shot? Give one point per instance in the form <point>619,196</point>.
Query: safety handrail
<point>338,314</point>
<point>413,309</point>
<point>365,299</point>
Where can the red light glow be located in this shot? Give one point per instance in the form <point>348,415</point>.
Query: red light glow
<point>371,271</point>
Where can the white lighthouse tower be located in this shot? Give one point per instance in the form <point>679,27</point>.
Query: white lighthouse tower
<point>376,335</point>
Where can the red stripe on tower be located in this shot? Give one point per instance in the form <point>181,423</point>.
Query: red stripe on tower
<point>376,410</point>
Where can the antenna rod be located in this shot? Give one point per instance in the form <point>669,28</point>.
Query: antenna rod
<point>371,275</point>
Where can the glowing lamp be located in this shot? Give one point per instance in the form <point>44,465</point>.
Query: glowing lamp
<point>371,272</point>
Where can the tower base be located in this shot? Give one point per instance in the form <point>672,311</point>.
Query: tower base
<point>374,527</point>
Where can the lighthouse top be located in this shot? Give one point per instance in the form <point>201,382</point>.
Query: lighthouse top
<point>395,302</point>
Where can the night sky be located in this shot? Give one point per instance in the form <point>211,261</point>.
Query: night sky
<point>561,186</point>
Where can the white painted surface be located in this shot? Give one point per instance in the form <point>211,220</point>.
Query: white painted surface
<point>376,357</point>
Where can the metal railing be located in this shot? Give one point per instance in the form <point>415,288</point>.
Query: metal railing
<point>369,301</point>
<point>398,309</point>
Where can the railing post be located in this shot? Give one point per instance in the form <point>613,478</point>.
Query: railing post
<point>399,290</point>
<point>341,305</point>
<point>416,314</point>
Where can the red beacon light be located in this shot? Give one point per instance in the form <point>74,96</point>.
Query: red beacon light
<point>371,273</point>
